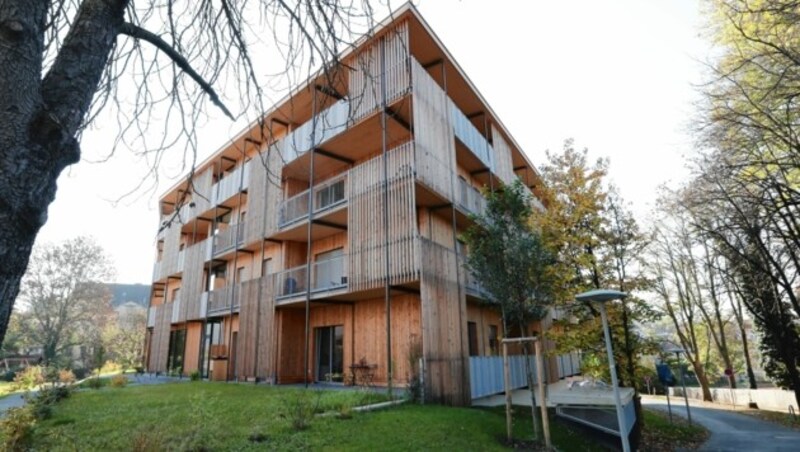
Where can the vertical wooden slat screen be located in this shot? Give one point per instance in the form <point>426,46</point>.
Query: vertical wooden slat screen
<point>248,328</point>
<point>160,338</point>
<point>274,191</point>
<point>365,225</point>
<point>266,330</point>
<point>202,197</point>
<point>192,282</point>
<point>169,257</point>
<point>443,332</point>
<point>365,80</point>
<point>434,139</point>
<point>502,153</point>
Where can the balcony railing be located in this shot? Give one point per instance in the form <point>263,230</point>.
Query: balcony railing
<point>470,136</point>
<point>151,317</point>
<point>181,258</point>
<point>224,239</point>
<point>328,274</point>
<point>219,300</point>
<point>232,184</point>
<point>291,282</point>
<point>470,198</point>
<point>327,195</point>
<point>315,131</point>
<point>157,271</point>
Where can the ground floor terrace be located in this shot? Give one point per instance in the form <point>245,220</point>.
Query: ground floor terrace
<point>444,346</point>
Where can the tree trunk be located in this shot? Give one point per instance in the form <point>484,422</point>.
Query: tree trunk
<point>40,118</point>
<point>701,377</point>
<point>751,376</point>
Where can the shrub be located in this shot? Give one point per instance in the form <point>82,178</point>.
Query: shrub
<point>66,376</point>
<point>195,375</point>
<point>9,375</point>
<point>299,407</point>
<point>119,381</point>
<point>80,373</point>
<point>16,428</point>
<point>95,383</point>
<point>29,377</point>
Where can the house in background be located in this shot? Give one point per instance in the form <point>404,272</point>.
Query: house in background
<point>323,241</point>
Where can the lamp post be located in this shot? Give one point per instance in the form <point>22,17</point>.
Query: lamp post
<point>678,352</point>
<point>601,297</point>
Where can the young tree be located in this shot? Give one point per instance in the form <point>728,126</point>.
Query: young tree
<point>123,338</point>
<point>62,62</point>
<point>509,259</point>
<point>63,297</point>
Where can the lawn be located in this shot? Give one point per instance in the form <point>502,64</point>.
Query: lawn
<point>219,416</point>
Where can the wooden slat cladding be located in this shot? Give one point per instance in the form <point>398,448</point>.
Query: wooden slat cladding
<point>265,364</point>
<point>202,196</point>
<point>365,228</point>
<point>365,80</point>
<point>290,323</point>
<point>443,321</point>
<point>502,154</point>
<point>160,338</point>
<point>264,193</point>
<point>192,283</point>
<point>169,257</point>
<point>248,328</point>
<point>370,335</point>
<point>434,142</point>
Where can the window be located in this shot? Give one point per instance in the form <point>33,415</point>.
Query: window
<point>472,333</point>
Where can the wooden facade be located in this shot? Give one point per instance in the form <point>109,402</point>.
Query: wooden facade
<point>326,236</point>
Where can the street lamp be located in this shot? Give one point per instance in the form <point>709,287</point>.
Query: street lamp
<point>678,351</point>
<point>601,297</point>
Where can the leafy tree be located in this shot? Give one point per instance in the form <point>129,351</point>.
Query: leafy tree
<point>63,299</point>
<point>124,337</point>
<point>598,244</point>
<point>509,259</point>
<point>64,62</point>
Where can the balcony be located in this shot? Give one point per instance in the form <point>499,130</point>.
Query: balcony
<point>157,271</point>
<point>470,198</point>
<point>326,196</point>
<point>228,238</point>
<point>231,184</point>
<point>470,136</point>
<point>326,275</point>
<point>219,301</point>
<point>151,317</point>
<point>326,124</point>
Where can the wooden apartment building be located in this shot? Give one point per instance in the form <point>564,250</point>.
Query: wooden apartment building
<point>324,239</point>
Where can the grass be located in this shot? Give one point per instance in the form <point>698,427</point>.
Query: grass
<point>662,435</point>
<point>219,416</point>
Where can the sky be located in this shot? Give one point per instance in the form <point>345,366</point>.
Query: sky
<point>617,76</point>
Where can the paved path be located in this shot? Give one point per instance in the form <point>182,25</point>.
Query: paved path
<point>10,401</point>
<point>731,431</point>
